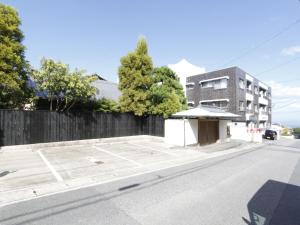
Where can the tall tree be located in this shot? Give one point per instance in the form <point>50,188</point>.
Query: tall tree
<point>167,95</point>
<point>13,66</point>
<point>135,80</point>
<point>63,86</point>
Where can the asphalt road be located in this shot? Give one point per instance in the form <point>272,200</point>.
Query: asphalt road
<point>257,186</point>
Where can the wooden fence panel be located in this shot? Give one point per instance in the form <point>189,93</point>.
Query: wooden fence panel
<point>29,127</point>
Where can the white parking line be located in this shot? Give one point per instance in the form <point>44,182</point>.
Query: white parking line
<point>153,149</point>
<point>53,171</point>
<point>118,156</point>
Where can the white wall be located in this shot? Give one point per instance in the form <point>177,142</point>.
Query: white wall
<point>239,131</point>
<point>175,129</point>
<point>223,130</point>
<point>191,131</point>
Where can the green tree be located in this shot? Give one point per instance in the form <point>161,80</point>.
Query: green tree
<point>60,84</point>
<point>14,68</point>
<point>135,80</point>
<point>106,105</point>
<point>296,130</point>
<point>167,95</point>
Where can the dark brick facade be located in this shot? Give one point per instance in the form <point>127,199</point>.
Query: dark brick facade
<point>233,92</point>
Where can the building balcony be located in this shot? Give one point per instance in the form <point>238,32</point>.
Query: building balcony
<point>263,101</point>
<point>263,116</point>
<point>249,97</point>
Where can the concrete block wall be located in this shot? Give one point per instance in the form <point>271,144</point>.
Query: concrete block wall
<point>177,129</point>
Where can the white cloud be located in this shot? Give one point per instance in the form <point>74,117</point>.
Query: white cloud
<point>285,103</point>
<point>291,50</point>
<point>285,97</point>
<point>284,91</point>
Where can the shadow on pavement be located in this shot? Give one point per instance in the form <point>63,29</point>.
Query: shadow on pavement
<point>275,203</point>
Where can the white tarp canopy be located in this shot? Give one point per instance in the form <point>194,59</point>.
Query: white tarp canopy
<point>205,112</point>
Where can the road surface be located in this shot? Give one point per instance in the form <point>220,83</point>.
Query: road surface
<point>257,186</point>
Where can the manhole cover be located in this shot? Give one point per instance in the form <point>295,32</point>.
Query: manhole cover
<point>98,162</point>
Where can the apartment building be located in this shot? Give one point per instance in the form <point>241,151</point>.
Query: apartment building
<point>235,91</point>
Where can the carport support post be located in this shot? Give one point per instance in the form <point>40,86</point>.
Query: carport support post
<point>183,131</point>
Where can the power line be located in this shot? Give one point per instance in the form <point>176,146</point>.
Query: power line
<point>283,106</point>
<point>278,66</point>
<point>285,29</point>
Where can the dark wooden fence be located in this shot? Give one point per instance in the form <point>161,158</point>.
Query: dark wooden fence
<point>28,127</point>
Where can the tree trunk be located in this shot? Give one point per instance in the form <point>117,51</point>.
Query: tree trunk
<point>73,103</point>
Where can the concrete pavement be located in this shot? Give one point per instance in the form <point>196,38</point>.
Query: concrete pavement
<point>255,186</point>
<point>36,170</point>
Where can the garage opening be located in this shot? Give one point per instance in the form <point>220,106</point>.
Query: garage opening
<point>208,131</point>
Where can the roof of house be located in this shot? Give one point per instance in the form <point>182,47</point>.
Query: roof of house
<point>107,89</point>
<point>205,112</point>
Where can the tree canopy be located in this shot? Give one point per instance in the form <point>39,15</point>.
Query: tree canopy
<point>135,80</point>
<point>167,95</point>
<point>61,85</point>
<point>106,105</point>
<point>14,69</point>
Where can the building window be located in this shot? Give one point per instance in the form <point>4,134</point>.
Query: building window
<point>241,84</point>
<point>262,109</point>
<point>207,84</point>
<point>255,90</point>
<point>242,106</point>
<point>190,85</point>
<point>270,110</point>
<point>191,104</point>
<point>216,83</point>
<point>249,86</point>
<point>249,105</point>
<point>262,92</point>
<point>217,104</point>
<point>220,84</point>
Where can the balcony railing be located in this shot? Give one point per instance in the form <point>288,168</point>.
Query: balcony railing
<point>263,112</point>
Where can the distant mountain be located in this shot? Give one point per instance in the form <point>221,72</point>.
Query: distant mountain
<point>290,123</point>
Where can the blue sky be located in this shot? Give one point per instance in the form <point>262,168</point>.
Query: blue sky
<point>93,35</point>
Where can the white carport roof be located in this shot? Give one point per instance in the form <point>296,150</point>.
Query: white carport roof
<point>205,112</point>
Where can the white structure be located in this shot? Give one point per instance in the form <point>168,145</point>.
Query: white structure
<point>198,126</point>
<point>239,131</point>
<point>184,69</point>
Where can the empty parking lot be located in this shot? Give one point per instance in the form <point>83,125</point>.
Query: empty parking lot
<point>47,168</point>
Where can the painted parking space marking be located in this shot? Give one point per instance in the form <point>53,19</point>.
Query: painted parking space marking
<point>154,149</point>
<point>51,168</point>
<point>118,156</point>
